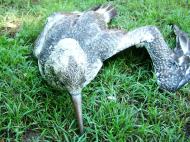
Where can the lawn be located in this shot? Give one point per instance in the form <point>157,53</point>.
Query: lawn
<point>123,103</point>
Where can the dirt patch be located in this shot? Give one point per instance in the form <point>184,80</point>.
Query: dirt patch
<point>31,135</point>
<point>35,1</point>
<point>10,27</point>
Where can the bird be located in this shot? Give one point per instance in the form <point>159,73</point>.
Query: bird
<point>72,47</point>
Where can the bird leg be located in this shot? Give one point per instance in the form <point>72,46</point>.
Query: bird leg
<point>77,102</point>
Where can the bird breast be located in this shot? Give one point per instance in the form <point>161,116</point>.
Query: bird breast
<point>66,65</point>
<point>69,48</point>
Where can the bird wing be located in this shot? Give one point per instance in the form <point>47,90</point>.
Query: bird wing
<point>78,25</point>
<point>92,22</point>
<point>54,29</point>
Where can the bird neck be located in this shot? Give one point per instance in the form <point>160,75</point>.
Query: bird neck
<point>168,71</point>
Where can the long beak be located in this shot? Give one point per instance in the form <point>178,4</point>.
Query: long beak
<point>77,101</point>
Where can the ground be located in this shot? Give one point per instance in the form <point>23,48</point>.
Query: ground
<point>123,103</point>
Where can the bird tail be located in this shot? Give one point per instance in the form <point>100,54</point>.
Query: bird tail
<point>107,10</point>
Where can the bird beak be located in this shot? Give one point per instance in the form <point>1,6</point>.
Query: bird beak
<point>77,101</point>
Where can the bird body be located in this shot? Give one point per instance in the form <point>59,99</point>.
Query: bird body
<point>72,47</point>
<point>67,57</point>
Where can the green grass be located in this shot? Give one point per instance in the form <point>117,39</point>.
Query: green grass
<point>30,109</point>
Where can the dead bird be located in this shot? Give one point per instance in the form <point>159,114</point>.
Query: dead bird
<point>72,47</point>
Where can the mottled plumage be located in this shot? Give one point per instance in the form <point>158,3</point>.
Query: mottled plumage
<point>72,47</point>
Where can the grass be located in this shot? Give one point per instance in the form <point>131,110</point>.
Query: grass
<point>32,110</point>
